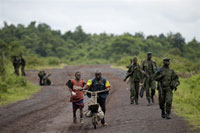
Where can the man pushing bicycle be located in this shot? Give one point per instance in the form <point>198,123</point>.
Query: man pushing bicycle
<point>99,83</point>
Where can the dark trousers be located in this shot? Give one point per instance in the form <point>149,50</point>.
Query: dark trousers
<point>102,103</point>
<point>134,90</point>
<point>41,80</point>
<point>165,100</point>
<point>22,70</point>
<point>16,67</point>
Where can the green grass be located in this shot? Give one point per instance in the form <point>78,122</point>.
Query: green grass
<point>119,67</point>
<point>14,88</point>
<point>45,67</point>
<point>187,100</point>
<point>18,93</point>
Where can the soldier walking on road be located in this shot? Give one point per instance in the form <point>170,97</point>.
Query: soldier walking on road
<point>167,82</point>
<point>150,68</point>
<point>135,74</point>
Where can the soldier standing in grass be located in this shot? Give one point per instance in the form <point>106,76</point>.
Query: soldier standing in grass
<point>22,63</point>
<point>167,82</point>
<point>16,64</point>
<point>149,66</point>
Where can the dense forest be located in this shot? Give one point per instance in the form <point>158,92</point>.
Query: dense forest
<point>37,41</point>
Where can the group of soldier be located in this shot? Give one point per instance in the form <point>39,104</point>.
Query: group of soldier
<point>19,62</point>
<point>147,74</point>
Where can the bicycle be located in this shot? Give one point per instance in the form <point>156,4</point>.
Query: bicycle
<point>96,112</point>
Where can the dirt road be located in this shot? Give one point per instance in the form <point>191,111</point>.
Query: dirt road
<point>50,111</point>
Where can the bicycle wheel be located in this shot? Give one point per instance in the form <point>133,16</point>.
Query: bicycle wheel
<point>94,121</point>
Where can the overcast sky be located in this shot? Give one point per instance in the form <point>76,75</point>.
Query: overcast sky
<point>110,16</point>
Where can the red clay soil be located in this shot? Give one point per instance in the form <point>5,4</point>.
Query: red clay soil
<point>49,111</point>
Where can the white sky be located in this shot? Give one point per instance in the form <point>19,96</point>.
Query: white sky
<point>110,16</point>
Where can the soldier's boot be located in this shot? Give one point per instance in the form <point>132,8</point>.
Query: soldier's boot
<point>132,100</point>
<point>81,120</point>
<point>163,115</point>
<point>23,73</point>
<point>152,94</point>
<point>149,102</point>
<point>152,99</point>
<point>136,101</point>
<point>168,116</point>
<point>74,119</point>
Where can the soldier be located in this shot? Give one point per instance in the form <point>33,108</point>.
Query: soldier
<point>22,63</point>
<point>150,68</point>
<point>167,82</point>
<point>41,75</point>
<point>131,63</point>
<point>135,74</point>
<point>15,64</point>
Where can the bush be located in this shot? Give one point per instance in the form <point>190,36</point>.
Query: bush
<point>53,61</point>
<point>3,87</point>
<point>34,60</point>
<point>187,99</point>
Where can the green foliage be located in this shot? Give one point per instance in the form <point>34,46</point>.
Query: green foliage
<point>39,40</point>
<point>13,88</point>
<point>53,61</point>
<point>3,87</point>
<point>187,100</point>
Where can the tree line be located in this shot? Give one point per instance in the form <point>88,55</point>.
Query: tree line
<point>41,40</point>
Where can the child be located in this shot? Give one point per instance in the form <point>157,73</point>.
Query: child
<point>75,87</point>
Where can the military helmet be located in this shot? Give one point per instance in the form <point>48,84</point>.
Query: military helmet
<point>134,58</point>
<point>149,53</point>
<point>166,59</point>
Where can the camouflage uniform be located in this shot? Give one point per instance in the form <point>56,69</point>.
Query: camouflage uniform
<point>149,67</point>
<point>41,75</point>
<point>22,64</point>
<point>16,64</point>
<point>135,74</point>
<point>168,82</point>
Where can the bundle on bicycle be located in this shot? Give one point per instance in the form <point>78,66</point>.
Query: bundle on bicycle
<point>94,109</point>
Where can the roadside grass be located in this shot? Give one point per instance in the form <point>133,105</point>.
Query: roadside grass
<point>40,63</point>
<point>18,93</point>
<point>187,100</point>
<point>45,67</point>
<point>119,67</point>
<point>14,88</point>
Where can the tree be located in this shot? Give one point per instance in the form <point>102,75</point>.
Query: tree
<point>79,35</point>
<point>3,50</point>
<point>177,41</point>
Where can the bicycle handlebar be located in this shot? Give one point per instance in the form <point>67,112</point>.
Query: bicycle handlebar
<point>91,92</point>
